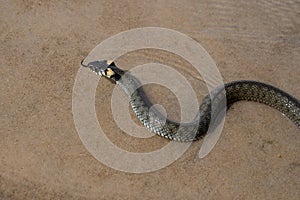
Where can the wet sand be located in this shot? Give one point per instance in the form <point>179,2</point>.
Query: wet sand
<point>42,44</point>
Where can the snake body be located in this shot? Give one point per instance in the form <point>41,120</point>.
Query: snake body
<point>185,132</point>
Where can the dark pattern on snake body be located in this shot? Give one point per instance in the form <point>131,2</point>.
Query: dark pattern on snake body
<point>186,132</point>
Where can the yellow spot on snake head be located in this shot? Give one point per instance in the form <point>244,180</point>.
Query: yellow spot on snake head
<point>109,72</point>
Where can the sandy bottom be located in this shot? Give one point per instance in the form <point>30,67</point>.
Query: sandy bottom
<point>42,44</point>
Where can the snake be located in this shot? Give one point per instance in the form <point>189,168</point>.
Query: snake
<point>211,106</point>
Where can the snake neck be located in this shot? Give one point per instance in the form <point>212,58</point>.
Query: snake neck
<point>128,83</point>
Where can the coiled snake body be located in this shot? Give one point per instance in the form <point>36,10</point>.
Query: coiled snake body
<point>186,132</point>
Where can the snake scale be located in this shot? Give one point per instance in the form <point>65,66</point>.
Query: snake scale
<point>187,132</point>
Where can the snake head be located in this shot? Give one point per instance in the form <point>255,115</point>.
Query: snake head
<point>106,68</point>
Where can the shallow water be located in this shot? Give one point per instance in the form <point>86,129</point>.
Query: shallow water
<point>42,44</point>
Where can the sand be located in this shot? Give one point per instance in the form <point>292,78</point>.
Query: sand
<point>42,44</point>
